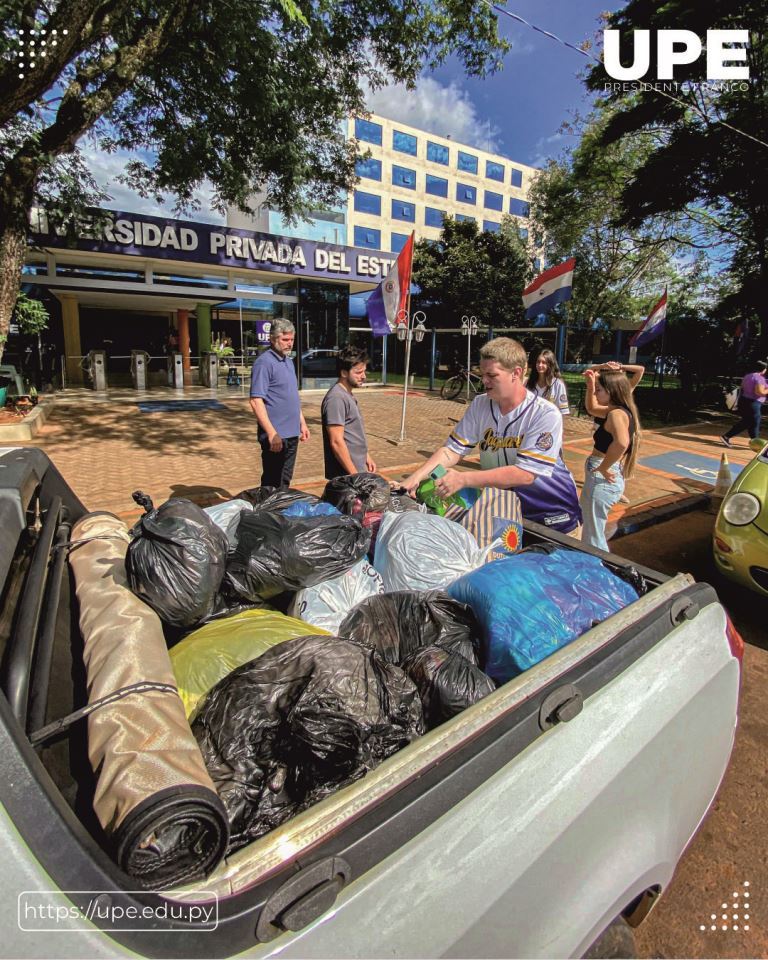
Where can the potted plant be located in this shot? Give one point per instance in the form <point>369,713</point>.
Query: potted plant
<point>222,347</point>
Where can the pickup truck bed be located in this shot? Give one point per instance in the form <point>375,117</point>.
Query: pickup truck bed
<point>522,827</point>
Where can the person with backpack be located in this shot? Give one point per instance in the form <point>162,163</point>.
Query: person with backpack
<point>752,394</point>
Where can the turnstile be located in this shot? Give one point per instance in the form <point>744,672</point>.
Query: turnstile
<point>209,369</point>
<point>140,369</point>
<point>96,368</point>
<point>176,371</point>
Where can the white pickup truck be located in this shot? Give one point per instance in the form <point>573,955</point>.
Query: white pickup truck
<point>524,827</point>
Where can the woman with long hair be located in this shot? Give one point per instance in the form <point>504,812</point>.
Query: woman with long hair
<point>545,381</point>
<point>615,445</point>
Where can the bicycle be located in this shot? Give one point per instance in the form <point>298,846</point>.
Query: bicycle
<point>458,382</point>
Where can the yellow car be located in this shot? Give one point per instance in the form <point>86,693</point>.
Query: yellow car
<point>740,539</point>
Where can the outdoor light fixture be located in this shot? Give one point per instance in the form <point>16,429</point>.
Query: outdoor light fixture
<point>468,329</point>
<point>406,330</point>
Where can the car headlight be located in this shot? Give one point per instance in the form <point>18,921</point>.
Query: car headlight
<point>741,509</point>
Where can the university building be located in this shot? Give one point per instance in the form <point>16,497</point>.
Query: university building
<point>136,282</point>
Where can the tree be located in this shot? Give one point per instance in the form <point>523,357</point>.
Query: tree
<point>245,95</point>
<point>709,141</point>
<point>472,272</point>
<point>576,210</point>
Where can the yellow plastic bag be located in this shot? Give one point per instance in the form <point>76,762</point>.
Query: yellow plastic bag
<point>215,650</point>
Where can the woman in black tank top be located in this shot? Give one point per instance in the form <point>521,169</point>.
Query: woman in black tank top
<point>616,439</point>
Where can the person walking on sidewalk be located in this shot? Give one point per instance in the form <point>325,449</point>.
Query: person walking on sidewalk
<point>519,437</point>
<point>345,447</point>
<point>276,404</point>
<point>545,381</point>
<point>615,445</point>
<point>754,390</point>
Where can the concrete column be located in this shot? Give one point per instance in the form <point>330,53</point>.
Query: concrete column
<point>183,327</point>
<point>70,315</point>
<point>203,311</point>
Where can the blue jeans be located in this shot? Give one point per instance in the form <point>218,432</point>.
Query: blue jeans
<point>597,498</point>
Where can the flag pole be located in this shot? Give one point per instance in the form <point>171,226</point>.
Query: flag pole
<point>408,341</point>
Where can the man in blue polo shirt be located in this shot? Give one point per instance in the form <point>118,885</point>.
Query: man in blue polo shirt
<point>275,401</point>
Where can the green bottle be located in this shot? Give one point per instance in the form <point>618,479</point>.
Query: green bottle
<point>426,493</point>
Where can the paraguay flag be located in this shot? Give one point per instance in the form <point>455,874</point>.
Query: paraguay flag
<point>654,324</point>
<point>391,295</point>
<point>549,288</point>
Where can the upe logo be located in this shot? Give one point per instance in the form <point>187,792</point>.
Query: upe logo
<point>677,47</point>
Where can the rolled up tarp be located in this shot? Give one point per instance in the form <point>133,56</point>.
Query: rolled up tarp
<point>153,796</point>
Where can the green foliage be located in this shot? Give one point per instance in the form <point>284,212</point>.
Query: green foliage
<point>470,272</point>
<point>244,95</point>
<point>709,142</point>
<point>577,209</point>
<point>31,315</point>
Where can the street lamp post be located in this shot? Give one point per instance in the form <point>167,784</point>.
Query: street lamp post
<point>468,329</point>
<point>409,328</point>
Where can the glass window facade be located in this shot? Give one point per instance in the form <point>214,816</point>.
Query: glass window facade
<point>437,186</point>
<point>465,193</point>
<point>493,201</point>
<point>403,211</point>
<point>367,203</point>
<point>433,217</point>
<point>398,241</point>
<point>404,142</point>
<point>494,171</point>
<point>523,233</point>
<point>467,162</point>
<point>491,227</point>
<point>403,177</point>
<point>368,131</point>
<point>516,177</point>
<point>368,237</point>
<point>370,168</point>
<point>437,153</point>
<point>463,216</point>
<point>519,207</point>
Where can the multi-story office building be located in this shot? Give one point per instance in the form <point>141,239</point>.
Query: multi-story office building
<point>410,180</point>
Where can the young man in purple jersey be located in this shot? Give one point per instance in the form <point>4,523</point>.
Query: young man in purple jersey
<point>519,437</point>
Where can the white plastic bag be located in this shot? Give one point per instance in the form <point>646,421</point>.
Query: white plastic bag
<point>326,604</point>
<point>421,551</point>
<point>732,399</point>
<point>227,516</point>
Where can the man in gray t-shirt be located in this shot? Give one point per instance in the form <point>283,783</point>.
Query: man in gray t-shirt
<point>345,447</point>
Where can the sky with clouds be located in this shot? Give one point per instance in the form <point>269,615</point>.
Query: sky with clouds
<point>517,112</point>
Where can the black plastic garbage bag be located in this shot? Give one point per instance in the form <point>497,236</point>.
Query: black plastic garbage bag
<point>401,502</point>
<point>176,562</point>
<point>447,682</point>
<point>396,624</point>
<point>358,493</point>
<point>305,718</point>
<point>275,498</point>
<point>435,640</point>
<point>276,553</point>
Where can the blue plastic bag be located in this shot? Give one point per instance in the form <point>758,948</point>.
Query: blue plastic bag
<point>310,508</point>
<point>534,603</point>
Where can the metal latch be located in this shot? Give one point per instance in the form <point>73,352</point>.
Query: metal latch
<point>683,608</point>
<point>303,898</point>
<point>560,706</point>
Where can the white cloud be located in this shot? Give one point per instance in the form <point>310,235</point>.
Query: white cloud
<point>436,108</point>
<point>105,167</point>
